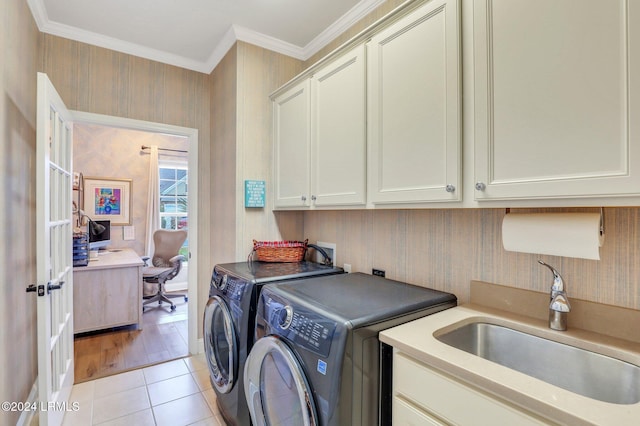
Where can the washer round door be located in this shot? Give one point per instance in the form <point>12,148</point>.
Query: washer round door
<point>276,387</point>
<point>220,345</point>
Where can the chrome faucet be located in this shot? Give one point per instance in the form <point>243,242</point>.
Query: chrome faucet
<point>559,306</point>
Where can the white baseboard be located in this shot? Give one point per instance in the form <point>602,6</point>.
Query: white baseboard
<point>200,346</point>
<point>27,416</point>
<point>180,286</point>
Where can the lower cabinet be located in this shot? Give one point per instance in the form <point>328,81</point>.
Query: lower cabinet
<point>108,292</point>
<point>405,413</point>
<point>424,396</point>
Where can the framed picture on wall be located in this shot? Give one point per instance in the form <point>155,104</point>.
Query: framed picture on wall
<point>108,199</point>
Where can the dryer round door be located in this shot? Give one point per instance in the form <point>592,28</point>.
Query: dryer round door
<point>276,387</point>
<point>220,345</point>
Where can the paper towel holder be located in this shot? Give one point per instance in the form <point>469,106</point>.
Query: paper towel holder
<point>508,210</point>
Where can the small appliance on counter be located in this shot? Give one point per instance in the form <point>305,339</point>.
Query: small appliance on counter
<point>229,322</point>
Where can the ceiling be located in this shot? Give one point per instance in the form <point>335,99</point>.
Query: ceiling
<point>196,34</point>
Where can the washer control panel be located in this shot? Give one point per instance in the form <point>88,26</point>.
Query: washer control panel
<point>302,326</point>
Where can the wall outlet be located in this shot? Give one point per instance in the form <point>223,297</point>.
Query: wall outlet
<point>378,272</point>
<point>128,233</point>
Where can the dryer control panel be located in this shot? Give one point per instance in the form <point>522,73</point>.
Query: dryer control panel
<point>302,326</point>
<point>232,287</point>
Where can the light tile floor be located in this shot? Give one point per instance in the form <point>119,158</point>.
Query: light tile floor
<point>176,393</point>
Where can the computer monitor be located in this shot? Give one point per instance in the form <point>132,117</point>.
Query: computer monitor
<point>99,240</point>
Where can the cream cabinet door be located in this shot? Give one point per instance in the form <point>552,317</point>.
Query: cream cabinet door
<point>557,108</point>
<point>405,413</point>
<point>424,396</point>
<point>414,107</point>
<point>291,112</point>
<point>338,141</point>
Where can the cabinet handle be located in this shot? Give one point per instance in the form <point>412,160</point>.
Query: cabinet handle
<point>480,186</point>
<point>313,198</point>
<point>303,198</point>
<point>450,188</point>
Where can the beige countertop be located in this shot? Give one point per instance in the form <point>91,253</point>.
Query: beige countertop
<point>115,258</point>
<point>417,340</point>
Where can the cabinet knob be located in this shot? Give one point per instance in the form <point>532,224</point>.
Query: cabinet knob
<point>480,186</point>
<point>303,198</point>
<point>313,198</point>
<point>450,188</point>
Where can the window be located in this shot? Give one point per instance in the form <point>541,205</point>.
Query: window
<point>173,199</point>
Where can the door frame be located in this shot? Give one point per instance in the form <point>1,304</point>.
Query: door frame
<point>192,200</point>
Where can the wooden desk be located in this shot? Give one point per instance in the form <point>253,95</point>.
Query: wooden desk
<point>108,292</point>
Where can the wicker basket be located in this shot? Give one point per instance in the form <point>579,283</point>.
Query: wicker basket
<point>278,251</point>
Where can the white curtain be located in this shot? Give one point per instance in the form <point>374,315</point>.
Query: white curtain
<point>153,202</point>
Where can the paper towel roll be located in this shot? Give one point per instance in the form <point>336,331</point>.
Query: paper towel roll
<point>557,234</point>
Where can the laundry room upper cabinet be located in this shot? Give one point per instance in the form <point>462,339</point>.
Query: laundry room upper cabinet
<point>557,98</point>
<point>414,117</point>
<point>292,138</point>
<point>320,136</point>
<point>338,131</point>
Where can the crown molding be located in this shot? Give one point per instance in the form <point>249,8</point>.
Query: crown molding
<point>134,49</point>
<point>235,33</point>
<point>345,22</point>
<point>227,42</point>
<point>268,42</point>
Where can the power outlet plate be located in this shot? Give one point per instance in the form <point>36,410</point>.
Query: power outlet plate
<point>378,272</point>
<point>330,248</point>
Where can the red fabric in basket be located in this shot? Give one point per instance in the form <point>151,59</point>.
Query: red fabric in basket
<point>278,244</point>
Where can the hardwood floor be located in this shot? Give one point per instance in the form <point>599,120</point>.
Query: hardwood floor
<point>163,338</point>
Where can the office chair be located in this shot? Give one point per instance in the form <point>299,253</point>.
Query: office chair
<point>166,265</point>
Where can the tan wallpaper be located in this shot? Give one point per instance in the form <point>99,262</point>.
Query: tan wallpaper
<point>241,124</point>
<point>106,152</point>
<point>18,67</point>
<point>223,158</point>
<point>260,72</point>
<point>446,249</point>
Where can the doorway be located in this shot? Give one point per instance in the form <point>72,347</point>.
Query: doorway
<point>124,350</point>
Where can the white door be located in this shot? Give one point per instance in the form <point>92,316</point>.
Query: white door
<point>54,286</point>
